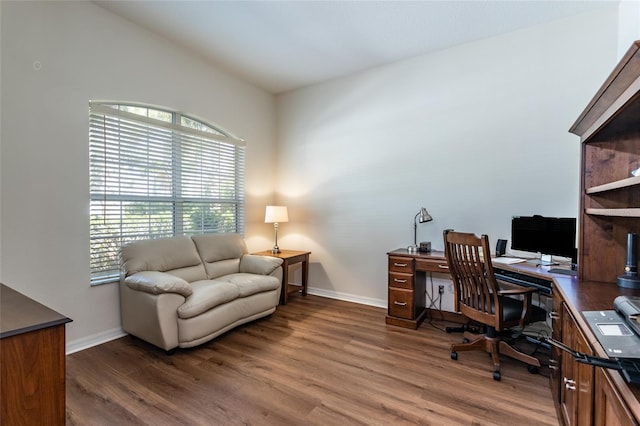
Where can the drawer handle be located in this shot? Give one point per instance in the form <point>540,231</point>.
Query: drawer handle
<point>443,266</point>
<point>554,315</point>
<point>399,281</point>
<point>395,302</point>
<point>569,384</point>
<point>402,265</point>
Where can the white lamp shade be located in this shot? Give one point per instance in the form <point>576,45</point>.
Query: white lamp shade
<point>276,214</point>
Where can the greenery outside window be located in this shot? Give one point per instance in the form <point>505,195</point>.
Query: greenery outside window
<point>158,173</point>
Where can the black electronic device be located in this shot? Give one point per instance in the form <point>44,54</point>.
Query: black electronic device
<point>501,248</point>
<point>630,278</point>
<point>425,247</point>
<point>554,236</point>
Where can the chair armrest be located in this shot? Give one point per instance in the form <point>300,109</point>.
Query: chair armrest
<point>154,282</point>
<point>256,264</point>
<point>521,290</point>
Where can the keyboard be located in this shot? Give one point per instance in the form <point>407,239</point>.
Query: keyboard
<point>563,271</point>
<point>524,280</point>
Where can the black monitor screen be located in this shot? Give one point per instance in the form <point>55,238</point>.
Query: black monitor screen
<point>546,235</point>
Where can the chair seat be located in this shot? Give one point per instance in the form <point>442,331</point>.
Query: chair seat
<point>511,309</point>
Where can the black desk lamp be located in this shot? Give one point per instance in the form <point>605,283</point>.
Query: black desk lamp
<point>423,216</point>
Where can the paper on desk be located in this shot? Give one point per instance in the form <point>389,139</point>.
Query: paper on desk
<point>507,260</point>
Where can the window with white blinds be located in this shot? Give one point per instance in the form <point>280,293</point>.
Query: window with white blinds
<point>158,173</point>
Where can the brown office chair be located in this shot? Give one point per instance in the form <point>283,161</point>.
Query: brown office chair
<point>479,298</point>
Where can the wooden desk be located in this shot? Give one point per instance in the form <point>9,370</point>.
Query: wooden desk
<point>584,394</point>
<point>32,361</point>
<point>407,285</point>
<point>291,257</point>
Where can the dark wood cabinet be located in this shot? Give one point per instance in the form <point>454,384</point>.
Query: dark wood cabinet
<point>609,130</point>
<point>32,361</point>
<point>407,285</point>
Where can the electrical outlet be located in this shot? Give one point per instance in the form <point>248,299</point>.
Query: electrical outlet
<point>440,289</point>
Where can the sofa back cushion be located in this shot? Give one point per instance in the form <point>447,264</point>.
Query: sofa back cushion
<point>220,253</point>
<point>176,256</point>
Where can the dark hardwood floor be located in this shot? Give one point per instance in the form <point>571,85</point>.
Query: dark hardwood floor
<point>315,361</point>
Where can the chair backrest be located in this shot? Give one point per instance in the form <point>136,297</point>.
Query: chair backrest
<point>475,286</point>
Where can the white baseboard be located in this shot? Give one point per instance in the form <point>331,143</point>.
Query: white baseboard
<point>94,340</point>
<point>106,336</point>
<point>347,297</point>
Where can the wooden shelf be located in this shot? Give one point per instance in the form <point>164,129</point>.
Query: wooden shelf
<point>623,183</point>
<point>614,212</point>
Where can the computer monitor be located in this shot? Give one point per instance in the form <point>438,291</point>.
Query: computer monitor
<point>555,236</point>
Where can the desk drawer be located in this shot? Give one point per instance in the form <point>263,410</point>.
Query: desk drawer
<point>432,265</point>
<point>399,280</point>
<point>401,303</point>
<point>401,264</point>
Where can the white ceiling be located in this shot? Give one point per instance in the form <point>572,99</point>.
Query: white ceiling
<point>283,45</point>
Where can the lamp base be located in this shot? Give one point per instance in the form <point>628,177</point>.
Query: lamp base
<point>275,250</point>
<point>412,249</point>
<point>629,281</point>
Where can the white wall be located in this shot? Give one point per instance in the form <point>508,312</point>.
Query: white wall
<point>629,25</point>
<point>88,53</point>
<point>357,157</point>
<point>476,134</point>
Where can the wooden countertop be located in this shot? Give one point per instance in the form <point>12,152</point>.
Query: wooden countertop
<point>21,314</point>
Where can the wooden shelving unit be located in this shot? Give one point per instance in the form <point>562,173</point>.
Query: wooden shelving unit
<point>609,130</point>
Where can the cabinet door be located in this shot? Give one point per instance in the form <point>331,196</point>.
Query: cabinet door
<point>576,392</point>
<point>610,410</point>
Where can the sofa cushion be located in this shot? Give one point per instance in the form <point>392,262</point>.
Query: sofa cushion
<point>176,255</point>
<point>220,253</point>
<point>207,294</point>
<point>155,282</point>
<point>255,264</point>
<point>249,284</point>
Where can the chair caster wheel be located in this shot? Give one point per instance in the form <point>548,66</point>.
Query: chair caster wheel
<point>533,369</point>
<point>496,376</point>
<point>454,355</point>
<point>465,340</point>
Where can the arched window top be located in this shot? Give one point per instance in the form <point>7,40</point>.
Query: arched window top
<point>167,117</point>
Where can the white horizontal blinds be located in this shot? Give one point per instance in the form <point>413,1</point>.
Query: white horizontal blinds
<point>150,178</point>
<point>211,185</point>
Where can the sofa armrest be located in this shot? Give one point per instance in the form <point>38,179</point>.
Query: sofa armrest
<point>154,282</point>
<point>255,264</point>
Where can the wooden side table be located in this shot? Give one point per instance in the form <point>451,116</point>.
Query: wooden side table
<point>291,257</point>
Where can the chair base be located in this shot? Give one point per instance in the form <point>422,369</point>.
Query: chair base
<point>492,344</point>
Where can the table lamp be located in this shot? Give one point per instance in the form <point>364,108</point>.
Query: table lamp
<point>423,216</point>
<point>275,215</point>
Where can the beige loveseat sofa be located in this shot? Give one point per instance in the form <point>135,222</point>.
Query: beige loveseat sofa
<point>181,291</point>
